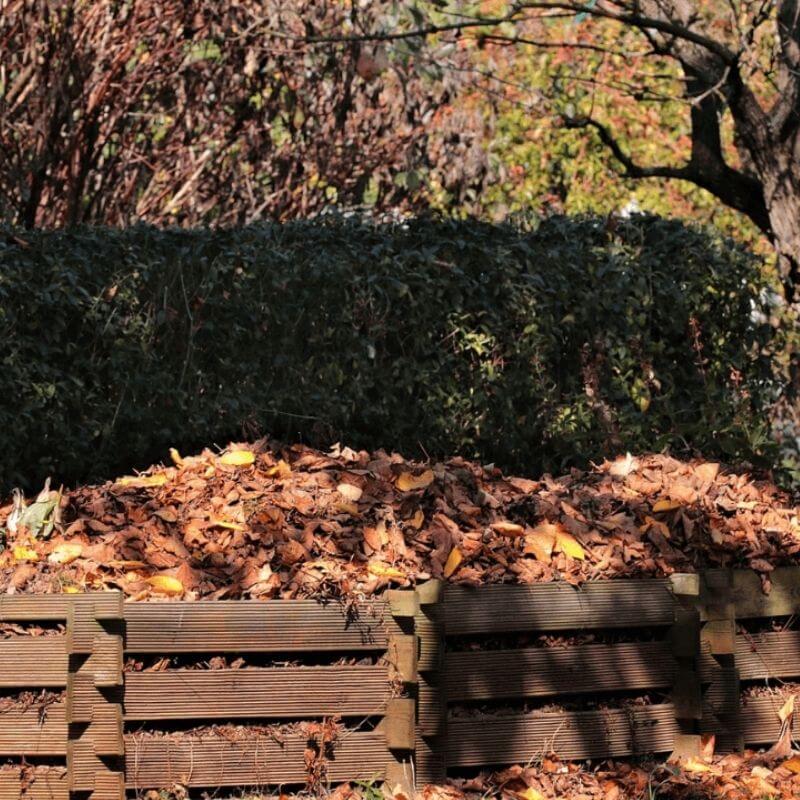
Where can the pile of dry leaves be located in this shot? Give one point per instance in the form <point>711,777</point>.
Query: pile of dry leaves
<point>257,521</point>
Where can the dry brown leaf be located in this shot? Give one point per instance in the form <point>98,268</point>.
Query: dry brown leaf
<point>453,562</point>
<point>407,482</point>
<point>506,528</point>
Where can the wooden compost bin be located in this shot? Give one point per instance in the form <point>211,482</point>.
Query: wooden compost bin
<point>414,696</point>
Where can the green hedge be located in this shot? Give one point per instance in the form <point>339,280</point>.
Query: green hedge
<point>533,349</point>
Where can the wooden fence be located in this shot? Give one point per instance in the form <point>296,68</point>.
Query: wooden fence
<point>417,685</point>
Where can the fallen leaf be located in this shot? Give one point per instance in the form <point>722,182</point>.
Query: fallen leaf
<point>707,472</point>
<point>505,528</point>
<point>22,553</point>
<point>793,765</point>
<point>693,764</point>
<point>539,542</point>
<point>238,458</point>
<point>569,545</point>
<point>231,526</point>
<point>407,482</point>
<point>166,584</point>
<point>65,553</point>
<point>142,481</point>
<point>418,520</point>
<point>385,571</point>
<point>665,505</point>
<point>531,794</point>
<point>787,709</point>
<point>177,460</point>
<point>453,561</point>
<point>349,491</point>
<point>281,470</point>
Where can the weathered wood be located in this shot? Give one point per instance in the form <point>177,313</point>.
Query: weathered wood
<point>519,738</point>
<point>251,626</point>
<point>300,692</point>
<point>33,662</point>
<point>751,602</point>
<point>55,607</point>
<point>207,761</point>
<point>402,657</point>
<point>43,784</point>
<point>557,606</point>
<point>399,723</point>
<point>765,656</point>
<point>759,719</point>
<point>541,672</point>
<point>33,733</point>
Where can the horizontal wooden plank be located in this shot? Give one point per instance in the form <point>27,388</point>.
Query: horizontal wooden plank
<point>540,672</point>
<point>255,626</point>
<point>768,655</point>
<point>782,600</point>
<point>515,739</point>
<point>55,607</point>
<point>41,783</point>
<point>759,721</point>
<point>274,693</point>
<point>215,761</point>
<point>558,606</point>
<point>33,662</point>
<point>27,733</point>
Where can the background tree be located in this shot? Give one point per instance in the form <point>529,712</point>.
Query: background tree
<point>734,64</point>
<point>181,111</point>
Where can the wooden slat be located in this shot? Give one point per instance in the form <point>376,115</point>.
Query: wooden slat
<point>759,720</point>
<point>571,734</point>
<point>783,599</point>
<point>29,662</point>
<point>253,626</point>
<point>274,693</point>
<point>55,607</point>
<point>212,761</point>
<point>10,784</point>
<point>558,606</point>
<point>768,655</point>
<point>539,672</point>
<point>23,733</point>
<point>41,784</point>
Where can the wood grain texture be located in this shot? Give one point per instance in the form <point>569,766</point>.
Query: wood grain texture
<point>768,655</point>
<point>27,733</point>
<point>252,626</point>
<point>513,739</point>
<point>557,606</point>
<point>212,761</point>
<point>30,662</point>
<point>301,692</point>
<point>540,672</point>
<point>759,720</point>
<point>43,784</point>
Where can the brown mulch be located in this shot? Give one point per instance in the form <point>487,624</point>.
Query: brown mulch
<point>262,522</point>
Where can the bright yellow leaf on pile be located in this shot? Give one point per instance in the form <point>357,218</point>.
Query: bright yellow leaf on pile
<point>65,553</point>
<point>238,458</point>
<point>531,794</point>
<point>385,571</point>
<point>793,765</point>
<point>453,562</point>
<point>418,520</point>
<point>231,526</point>
<point>71,590</point>
<point>22,553</point>
<point>666,505</point>
<point>569,545</point>
<point>349,491</point>
<point>406,482</point>
<point>506,528</point>
<point>693,764</point>
<point>166,584</point>
<point>175,456</point>
<point>143,481</point>
<point>281,469</point>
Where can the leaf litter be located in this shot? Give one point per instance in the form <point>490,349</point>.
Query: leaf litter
<point>262,521</point>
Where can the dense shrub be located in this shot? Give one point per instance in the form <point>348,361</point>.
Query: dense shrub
<point>533,349</point>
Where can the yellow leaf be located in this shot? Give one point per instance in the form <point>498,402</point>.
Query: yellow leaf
<point>665,505</point>
<point>406,482</point>
<point>175,456</point>
<point>142,481</point>
<point>350,492</point>
<point>418,520</point>
<point>569,545</point>
<point>693,764</point>
<point>531,794</point>
<point>231,526</point>
<point>506,528</point>
<point>65,553</point>
<point>71,590</point>
<point>347,507</point>
<point>787,709</point>
<point>281,469</point>
<point>385,571</point>
<point>22,553</point>
<point>238,458</point>
<point>166,584</point>
<point>793,765</point>
<point>453,562</point>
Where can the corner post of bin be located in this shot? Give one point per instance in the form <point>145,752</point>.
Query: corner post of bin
<point>95,746</point>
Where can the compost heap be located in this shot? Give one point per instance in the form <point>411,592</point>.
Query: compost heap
<point>266,522</point>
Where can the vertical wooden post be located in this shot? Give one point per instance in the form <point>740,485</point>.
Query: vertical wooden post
<point>94,711</point>
<point>431,747</point>
<point>722,700</point>
<point>684,637</point>
<point>399,724</point>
